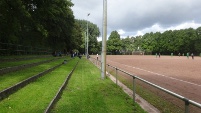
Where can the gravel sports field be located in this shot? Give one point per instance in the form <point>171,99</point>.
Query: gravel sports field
<point>181,75</point>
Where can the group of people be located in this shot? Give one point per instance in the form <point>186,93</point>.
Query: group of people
<point>187,55</point>
<point>159,55</point>
<point>192,55</point>
<point>75,54</point>
<point>72,54</point>
<point>56,53</point>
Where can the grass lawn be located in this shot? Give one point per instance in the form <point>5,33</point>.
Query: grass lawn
<point>12,78</point>
<point>159,102</point>
<point>86,92</point>
<point>35,97</point>
<point>22,62</point>
<point>21,56</point>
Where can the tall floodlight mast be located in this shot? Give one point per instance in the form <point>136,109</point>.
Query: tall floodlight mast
<point>87,52</point>
<point>104,37</point>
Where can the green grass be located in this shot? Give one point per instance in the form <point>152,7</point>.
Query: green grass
<point>88,93</point>
<point>160,103</point>
<point>22,62</point>
<point>35,97</point>
<point>12,78</point>
<point>21,56</point>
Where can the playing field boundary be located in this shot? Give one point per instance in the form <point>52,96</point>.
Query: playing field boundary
<point>187,102</point>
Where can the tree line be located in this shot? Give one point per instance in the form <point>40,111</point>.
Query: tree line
<point>51,24</point>
<point>45,24</point>
<point>170,41</point>
<point>39,23</point>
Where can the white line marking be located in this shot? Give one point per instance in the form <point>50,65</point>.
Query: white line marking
<point>159,74</point>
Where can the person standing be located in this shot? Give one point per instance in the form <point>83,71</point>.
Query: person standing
<point>187,55</point>
<point>97,56</point>
<point>192,55</point>
<point>179,54</point>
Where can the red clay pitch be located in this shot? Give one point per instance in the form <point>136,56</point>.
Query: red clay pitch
<point>178,74</point>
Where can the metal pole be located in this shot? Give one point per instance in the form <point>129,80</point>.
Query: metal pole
<point>134,90</point>
<point>103,57</point>
<point>116,76</point>
<point>85,49</point>
<point>186,106</point>
<point>87,35</point>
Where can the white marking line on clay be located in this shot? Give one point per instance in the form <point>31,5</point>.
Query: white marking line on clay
<point>160,74</point>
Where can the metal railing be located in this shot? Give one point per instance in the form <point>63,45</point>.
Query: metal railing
<point>15,49</point>
<point>187,102</point>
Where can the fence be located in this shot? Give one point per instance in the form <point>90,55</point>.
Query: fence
<point>170,101</point>
<point>14,49</point>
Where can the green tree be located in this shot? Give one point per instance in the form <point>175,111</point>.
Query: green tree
<point>114,43</point>
<point>93,33</point>
<point>37,23</point>
<point>137,43</point>
<point>127,45</point>
<point>198,41</point>
<point>15,21</point>
<point>58,19</point>
<point>147,42</point>
<point>76,38</point>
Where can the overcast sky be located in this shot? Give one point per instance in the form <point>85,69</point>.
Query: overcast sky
<point>137,17</point>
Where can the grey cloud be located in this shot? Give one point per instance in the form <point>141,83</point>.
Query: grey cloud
<point>133,15</point>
